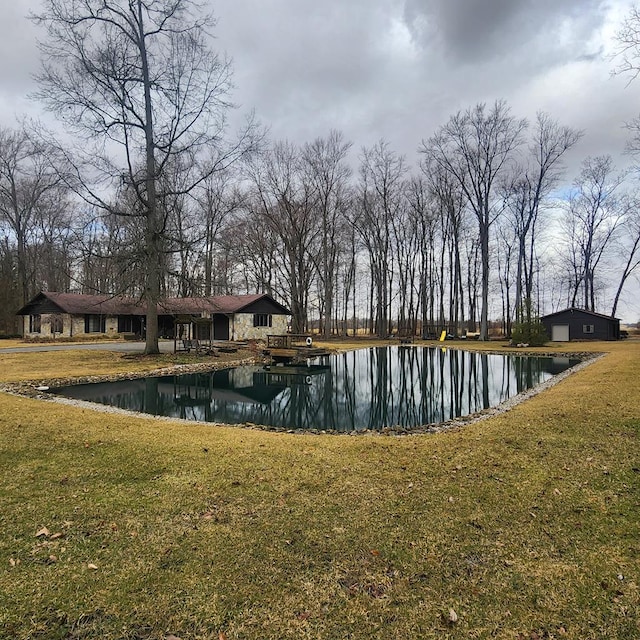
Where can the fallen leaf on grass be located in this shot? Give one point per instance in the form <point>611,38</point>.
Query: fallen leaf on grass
<point>453,616</point>
<point>92,566</point>
<point>222,636</point>
<point>43,532</point>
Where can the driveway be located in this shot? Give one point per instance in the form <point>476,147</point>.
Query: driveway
<point>166,346</point>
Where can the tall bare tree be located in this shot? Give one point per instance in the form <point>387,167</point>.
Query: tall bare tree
<point>629,247</point>
<point>32,199</point>
<point>325,167</point>
<point>381,197</point>
<point>526,192</point>
<point>217,198</point>
<point>475,147</point>
<point>137,81</point>
<point>593,214</point>
<point>284,202</point>
<point>422,213</point>
<point>450,202</point>
<point>627,40</point>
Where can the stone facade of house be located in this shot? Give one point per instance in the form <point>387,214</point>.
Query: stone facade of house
<point>72,326</point>
<point>243,327</point>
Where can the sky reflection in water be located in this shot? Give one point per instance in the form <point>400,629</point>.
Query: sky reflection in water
<point>363,389</point>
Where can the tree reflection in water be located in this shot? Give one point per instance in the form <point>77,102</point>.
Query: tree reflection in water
<point>363,389</point>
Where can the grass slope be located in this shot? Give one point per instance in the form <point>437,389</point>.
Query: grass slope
<point>522,526</point>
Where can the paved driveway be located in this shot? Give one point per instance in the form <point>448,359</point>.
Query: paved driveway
<point>166,346</point>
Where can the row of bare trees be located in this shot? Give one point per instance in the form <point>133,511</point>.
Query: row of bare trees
<point>481,221</point>
<point>153,196</point>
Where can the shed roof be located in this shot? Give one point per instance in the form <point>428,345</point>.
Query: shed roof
<point>582,311</point>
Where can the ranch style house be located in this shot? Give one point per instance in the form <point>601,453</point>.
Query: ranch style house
<point>241,317</point>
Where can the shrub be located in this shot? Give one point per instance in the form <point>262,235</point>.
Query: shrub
<point>530,330</point>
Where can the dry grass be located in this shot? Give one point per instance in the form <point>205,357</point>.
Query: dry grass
<point>526,525</point>
<point>43,366</point>
<point>6,343</point>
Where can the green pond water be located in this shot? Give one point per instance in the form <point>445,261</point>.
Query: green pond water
<point>363,389</point>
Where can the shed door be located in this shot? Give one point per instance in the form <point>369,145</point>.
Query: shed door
<point>560,333</point>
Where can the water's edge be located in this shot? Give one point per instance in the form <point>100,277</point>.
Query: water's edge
<point>39,389</point>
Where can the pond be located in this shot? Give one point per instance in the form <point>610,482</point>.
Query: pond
<point>353,391</point>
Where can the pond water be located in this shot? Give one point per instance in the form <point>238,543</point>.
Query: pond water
<point>363,389</point>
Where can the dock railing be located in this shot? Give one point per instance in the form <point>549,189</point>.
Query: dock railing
<point>288,340</point>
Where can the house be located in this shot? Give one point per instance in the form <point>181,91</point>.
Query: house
<point>578,324</point>
<point>241,317</point>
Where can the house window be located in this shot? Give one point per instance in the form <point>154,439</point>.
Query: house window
<point>94,324</point>
<point>57,324</point>
<point>587,328</point>
<point>35,323</point>
<point>128,324</point>
<point>262,320</point>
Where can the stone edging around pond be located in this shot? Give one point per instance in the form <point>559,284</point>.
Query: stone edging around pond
<point>36,390</point>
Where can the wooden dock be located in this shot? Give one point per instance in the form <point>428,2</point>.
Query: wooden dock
<point>292,348</point>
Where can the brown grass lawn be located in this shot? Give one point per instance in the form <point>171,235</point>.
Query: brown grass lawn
<point>523,526</point>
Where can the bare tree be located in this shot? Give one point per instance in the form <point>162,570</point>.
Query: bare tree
<point>628,45</point>
<point>110,255</point>
<point>628,247</point>
<point>525,194</point>
<point>8,288</point>
<point>259,252</point>
<point>137,81</point>
<point>593,215</point>
<point>475,147</point>
<point>32,199</point>
<point>425,221</point>
<point>284,201</point>
<point>381,198</point>
<point>218,197</point>
<point>449,199</point>
<point>324,165</point>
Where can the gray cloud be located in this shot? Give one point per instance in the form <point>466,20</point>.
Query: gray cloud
<point>476,31</point>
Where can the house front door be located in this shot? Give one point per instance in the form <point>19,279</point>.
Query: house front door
<point>220,327</point>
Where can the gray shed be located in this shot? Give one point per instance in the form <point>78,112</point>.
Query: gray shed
<point>578,324</point>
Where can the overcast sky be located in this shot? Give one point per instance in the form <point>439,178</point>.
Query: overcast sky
<point>397,69</point>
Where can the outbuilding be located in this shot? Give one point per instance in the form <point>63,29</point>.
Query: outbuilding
<point>579,324</point>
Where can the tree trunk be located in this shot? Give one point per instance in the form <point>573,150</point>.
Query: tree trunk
<point>152,288</point>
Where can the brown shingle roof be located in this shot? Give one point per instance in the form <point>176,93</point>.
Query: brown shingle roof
<point>211,304</point>
<point>78,304</point>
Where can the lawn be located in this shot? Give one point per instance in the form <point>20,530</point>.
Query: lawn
<point>523,526</point>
